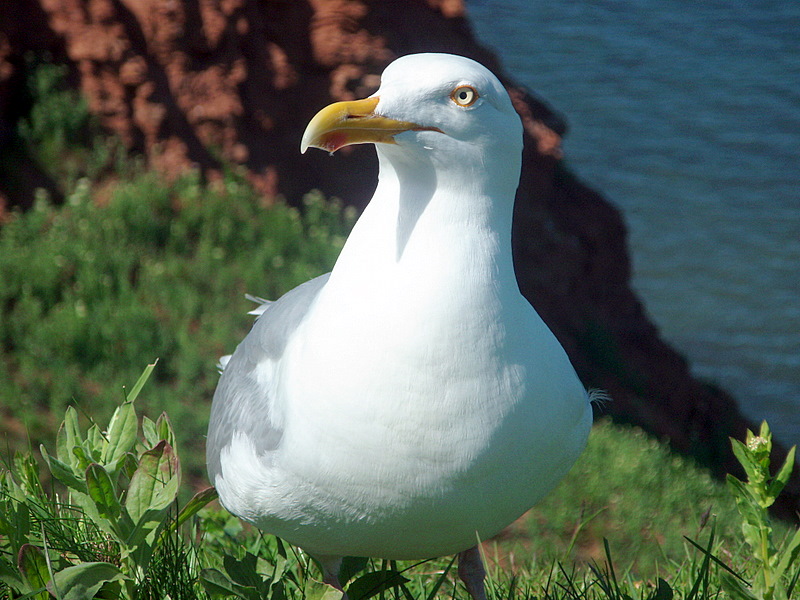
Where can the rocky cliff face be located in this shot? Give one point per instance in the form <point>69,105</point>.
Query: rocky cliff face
<point>186,82</point>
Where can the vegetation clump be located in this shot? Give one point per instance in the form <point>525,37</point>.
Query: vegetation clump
<point>90,290</point>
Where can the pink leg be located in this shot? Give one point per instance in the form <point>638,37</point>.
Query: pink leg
<point>472,573</point>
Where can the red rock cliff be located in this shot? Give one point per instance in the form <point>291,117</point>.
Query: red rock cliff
<point>242,77</point>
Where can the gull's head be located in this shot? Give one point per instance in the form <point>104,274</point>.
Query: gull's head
<point>426,102</point>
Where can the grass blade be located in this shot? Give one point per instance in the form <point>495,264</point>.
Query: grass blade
<point>137,387</point>
<point>442,578</point>
<point>717,561</point>
<point>198,501</point>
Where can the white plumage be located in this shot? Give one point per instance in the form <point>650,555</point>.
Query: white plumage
<point>411,401</point>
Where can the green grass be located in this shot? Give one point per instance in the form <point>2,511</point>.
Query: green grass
<point>629,488</point>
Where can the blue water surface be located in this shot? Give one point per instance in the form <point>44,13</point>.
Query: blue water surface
<point>686,115</point>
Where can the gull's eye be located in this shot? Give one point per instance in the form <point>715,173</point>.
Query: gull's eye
<point>464,95</point>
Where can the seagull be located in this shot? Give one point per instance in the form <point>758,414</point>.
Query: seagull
<point>411,402</point>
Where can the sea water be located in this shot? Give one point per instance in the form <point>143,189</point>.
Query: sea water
<point>686,115</point>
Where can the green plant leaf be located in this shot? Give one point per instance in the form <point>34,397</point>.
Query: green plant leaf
<point>243,571</point>
<point>127,466</point>
<point>745,458</point>
<point>149,432</point>
<point>373,583</point>
<point>278,567</point>
<point>760,447</point>
<point>218,585</point>
<point>663,591</point>
<point>140,544</point>
<point>101,491</point>
<point>735,589</point>
<point>198,501</point>
<point>752,535</point>
<point>10,576</point>
<point>82,458</point>
<point>153,487</point>
<point>793,583</point>
<point>33,568</point>
<point>122,431</point>
<point>63,472</point>
<point>277,590</point>
<point>83,581</point>
<point>789,554</point>
<point>28,475</point>
<point>68,436</point>
<point>351,566</point>
<point>154,484</point>
<point>746,503</point>
<point>782,476</point>
<point>164,429</point>
<point>137,387</point>
<point>281,548</point>
<point>316,590</point>
<point>95,445</point>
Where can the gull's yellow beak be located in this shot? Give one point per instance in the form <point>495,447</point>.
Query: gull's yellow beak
<point>346,123</point>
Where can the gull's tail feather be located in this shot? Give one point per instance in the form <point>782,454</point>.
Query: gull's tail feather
<point>223,362</point>
<point>263,305</point>
<point>599,397</point>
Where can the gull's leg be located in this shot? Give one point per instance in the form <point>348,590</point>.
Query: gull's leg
<point>330,571</point>
<point>472,573</point>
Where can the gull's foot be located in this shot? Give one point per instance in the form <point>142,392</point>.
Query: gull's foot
<point>472,573</point>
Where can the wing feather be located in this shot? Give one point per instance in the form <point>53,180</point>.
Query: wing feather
<point>243,402</point>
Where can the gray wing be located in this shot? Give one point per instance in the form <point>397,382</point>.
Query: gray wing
<point>241,402</point>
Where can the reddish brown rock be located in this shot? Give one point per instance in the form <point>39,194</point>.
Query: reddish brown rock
<point>182,81</point>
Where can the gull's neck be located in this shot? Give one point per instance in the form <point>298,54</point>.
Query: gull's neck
<point>431,212</point>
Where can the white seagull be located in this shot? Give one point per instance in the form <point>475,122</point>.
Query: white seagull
<point>411,402</point>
